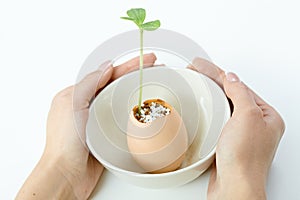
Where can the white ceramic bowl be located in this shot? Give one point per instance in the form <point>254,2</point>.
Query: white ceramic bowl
<point>200,101</point>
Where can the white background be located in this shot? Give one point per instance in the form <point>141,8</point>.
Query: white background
<point>44,43</point>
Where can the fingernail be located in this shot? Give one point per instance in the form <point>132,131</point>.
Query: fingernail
<point>151,54</point>
<point>232,77</point>
<point>104,66</point>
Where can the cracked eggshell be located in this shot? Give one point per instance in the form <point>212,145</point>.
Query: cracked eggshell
<point>158,146</point>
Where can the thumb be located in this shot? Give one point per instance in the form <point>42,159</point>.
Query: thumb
<point>86,89</point>
<point>238,92</point>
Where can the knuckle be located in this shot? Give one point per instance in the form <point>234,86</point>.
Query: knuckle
<point>283,129</point>
<point>64,96</point>
<point>281,125</point>
<point>278,122</point>
<point>254,112</point>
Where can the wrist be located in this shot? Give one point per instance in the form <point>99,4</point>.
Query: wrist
<point>66,172</point>
<point>76,172</point>
<point>46,182</point>
<point>241,186</point>
<point>61,187</point>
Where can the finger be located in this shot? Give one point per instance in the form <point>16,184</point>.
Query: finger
<point>243,98</point>
<point>86,89</point>
<point>209,69</point>
<point>133,64</point>
<point>238,92</point>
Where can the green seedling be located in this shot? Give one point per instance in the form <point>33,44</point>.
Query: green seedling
<point>138,15</point>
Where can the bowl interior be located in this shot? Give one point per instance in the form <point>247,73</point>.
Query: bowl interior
<point>200,102</point>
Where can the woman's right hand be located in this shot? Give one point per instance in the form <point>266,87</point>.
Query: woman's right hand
<point>248,142</point>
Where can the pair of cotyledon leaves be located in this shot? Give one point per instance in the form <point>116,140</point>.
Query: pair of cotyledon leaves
<point>138,15</point>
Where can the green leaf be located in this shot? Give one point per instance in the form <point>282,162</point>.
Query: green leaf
<point>151,26</point>
<point>127,18</point>
<point>138,15</point>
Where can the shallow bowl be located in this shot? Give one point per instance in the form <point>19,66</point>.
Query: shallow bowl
<point>200,101</point>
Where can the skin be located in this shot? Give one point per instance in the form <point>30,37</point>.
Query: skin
<point>66,169</point>
<point>244,152</point>
<point>248,142</point>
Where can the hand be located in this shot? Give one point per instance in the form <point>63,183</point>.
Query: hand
<point>67,170</point>
<point>248,142</point>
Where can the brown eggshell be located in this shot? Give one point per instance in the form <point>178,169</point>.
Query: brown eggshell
<point>158,146</point>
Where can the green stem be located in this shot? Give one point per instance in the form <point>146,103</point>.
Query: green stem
<point>141,70</point>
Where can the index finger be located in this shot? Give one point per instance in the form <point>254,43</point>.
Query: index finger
<point>133,64</point>
<point>209,69</point>
<point>87,88</point>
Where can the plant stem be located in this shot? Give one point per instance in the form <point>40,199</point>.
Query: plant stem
<point>141,69</point>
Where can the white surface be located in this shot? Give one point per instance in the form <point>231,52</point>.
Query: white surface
<point>44,43</point>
